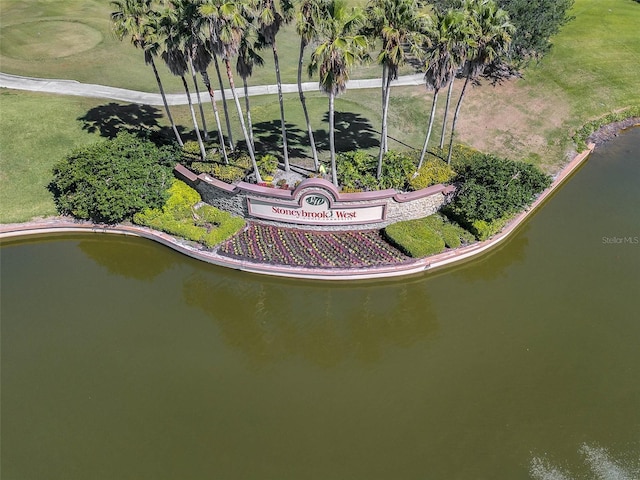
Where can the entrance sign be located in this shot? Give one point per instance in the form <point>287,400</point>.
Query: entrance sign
<point>315,209</point>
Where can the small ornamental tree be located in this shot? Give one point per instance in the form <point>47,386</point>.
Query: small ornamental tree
<point>110,180</point>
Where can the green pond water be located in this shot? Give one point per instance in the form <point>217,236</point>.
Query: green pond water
<point>124,360</point>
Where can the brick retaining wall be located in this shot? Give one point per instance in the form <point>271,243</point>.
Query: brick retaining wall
<point>390,205</point>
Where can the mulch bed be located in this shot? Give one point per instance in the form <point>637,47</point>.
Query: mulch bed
<point>302,248</point>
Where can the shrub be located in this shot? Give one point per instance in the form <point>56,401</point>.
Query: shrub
<point>241,160</point>
<point>484,230</point>
<point>582,135</point>
<point>415,238</point>
<point>110,180</point>
<point>182,216</point>
<point>397,168</point>
<point>432,172</point>
<point>201,167</point>
<point>228,173</point>
<point>492,188</point>
<point>452,233</point>
<point>267,164</point>
<point>357,170</point>
<point>190,152</point>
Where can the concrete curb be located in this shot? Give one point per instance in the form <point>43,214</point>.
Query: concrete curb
<point>57,225</point>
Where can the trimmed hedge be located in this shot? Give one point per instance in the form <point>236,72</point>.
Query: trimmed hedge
<point>426,236</point>
<point>183,217</point>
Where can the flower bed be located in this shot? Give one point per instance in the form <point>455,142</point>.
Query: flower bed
<point>286,246</point>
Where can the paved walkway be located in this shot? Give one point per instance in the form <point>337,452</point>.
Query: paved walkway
<point>72,87</point>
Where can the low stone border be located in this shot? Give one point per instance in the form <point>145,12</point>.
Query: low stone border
<point>63,225</point>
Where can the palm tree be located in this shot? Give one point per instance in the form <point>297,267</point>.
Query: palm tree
<point>136,19</point>
<point>340,49</point>
<point>441,60</point>
<point>188,32</point>
<point>176,60</point>
<point>309,24</point>
<point>270,15</point>
<point>201,62</point>
<point>462,40</point>
<point>226,28</point>
<point>248,57</point>
<point>492,38</point>
<point>400,26</point>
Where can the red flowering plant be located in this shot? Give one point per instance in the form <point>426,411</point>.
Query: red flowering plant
<point>287,246</point>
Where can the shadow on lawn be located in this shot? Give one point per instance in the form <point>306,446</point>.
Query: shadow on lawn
<point>142,120</point>
<point>353,132</point>
<point>268,139</point>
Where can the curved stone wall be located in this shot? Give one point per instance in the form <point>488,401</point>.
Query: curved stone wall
<point>317,203</point>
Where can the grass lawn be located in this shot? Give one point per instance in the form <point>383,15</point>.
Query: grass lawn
<point>37,130</point>
<point>592,69</point>
<point>72,39</point>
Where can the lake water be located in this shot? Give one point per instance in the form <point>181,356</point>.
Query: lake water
<point>124,360</point>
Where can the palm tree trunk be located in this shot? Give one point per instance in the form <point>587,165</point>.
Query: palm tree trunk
<point>285,147</point>
<point>431,119</point>
<point>203,153</point>
<point>446,111</point>
<point>385,110</point>
<point>387,96</point>
<point>332,141</point>
<point>195,85</point>
<point>455,118</point>
<point>166,105</point>
<point>385,76</point>
<point>224,104</point>
<point>207,82</point>
<point>314,150</point>
<point>242,124</point>
<point>245,86</point>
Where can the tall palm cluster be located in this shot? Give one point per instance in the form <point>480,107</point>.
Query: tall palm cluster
<point>190,36</point>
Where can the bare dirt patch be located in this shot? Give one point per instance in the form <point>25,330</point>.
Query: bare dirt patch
<point>513,120</point>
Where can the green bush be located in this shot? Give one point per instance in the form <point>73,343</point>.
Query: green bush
<point>110,180</point>
<point>397,168</point>
<point>202,167</point>
<point>484,230</point>
<point>241,160</point>
<point>190,152</point>
<point>183,217</point>
<point>432,172</point>
<point>492,188</point>
<point>415,238</point>
<point>357,170</point>
<point>427,236</point>
<point>267,164</point>
<point>452,233</point>
<point>228,173</point>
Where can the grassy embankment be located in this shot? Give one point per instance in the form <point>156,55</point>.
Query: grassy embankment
<point>592,69</point>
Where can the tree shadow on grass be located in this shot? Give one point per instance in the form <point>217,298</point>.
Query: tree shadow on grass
<point>353,132</point>
<point>268,139</point>
<point>142,120</point>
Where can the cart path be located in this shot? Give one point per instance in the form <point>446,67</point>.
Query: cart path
<point>75,88</point>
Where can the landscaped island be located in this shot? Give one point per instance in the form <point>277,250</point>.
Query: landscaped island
<point>369,185</point>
